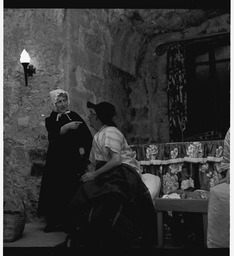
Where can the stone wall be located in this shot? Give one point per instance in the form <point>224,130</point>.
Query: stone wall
<point>147,113</point>
<point>70,49</point>
<point>41,33</point>
<point>90,73</point>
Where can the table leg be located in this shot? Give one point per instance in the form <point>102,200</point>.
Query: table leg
<point>205,220</point>
<point>160,229</point>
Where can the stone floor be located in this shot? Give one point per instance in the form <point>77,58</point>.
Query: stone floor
<point>35,242</point>
<point>34,236</point>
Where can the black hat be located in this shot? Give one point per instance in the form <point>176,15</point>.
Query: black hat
<point>105,111</point>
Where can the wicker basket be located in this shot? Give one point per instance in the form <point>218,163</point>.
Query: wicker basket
<point>14,223</point>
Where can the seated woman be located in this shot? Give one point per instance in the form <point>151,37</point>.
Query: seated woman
<point>113,205</point>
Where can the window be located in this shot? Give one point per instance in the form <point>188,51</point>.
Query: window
<point>208,89</point>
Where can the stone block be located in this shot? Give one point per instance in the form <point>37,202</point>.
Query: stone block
<point>133,114</point>
<point>142,113</point>
<point>37,169</point>
<point>19,153</point>
<point>93,83</point>
<point>23,121</point>
<point>37,154</point>
<point>92,43</point>
<point>95,64</point>
<point>80,17</point>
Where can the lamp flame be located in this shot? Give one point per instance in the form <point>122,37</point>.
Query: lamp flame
<point>24,57</point>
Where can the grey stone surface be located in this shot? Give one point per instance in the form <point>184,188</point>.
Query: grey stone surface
<point>34,236</point>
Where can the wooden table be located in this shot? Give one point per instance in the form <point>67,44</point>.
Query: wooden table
<point>180,205</point>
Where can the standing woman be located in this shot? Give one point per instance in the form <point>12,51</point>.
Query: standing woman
<point>69,147</point>
<point>113,200</point>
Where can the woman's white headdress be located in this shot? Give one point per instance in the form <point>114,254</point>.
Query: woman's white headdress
<point>54,97</point>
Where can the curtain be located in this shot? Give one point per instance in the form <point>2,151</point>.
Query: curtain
<point>177,95</point>
<point>181,165</point>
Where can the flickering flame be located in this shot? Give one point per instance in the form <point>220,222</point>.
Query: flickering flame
<point>24,57</point>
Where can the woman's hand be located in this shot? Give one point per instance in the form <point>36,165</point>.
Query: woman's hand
<point>90,168</point>
<point>113,162</point>
<point>88,176</point>
<point>70,126</point>
<point>73,125</point>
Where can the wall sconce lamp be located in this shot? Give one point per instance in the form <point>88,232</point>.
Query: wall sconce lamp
<point>29,69</point>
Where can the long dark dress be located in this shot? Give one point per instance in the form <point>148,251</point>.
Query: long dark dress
<point>63,164</point>
<point>102,197</point>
